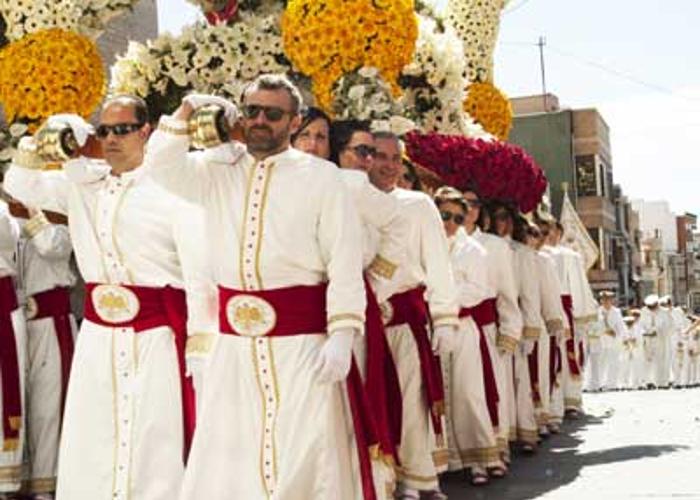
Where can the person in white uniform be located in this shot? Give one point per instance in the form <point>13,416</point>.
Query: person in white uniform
<point>129,408</point>
<point>656,326</point>
<point>612,328</point>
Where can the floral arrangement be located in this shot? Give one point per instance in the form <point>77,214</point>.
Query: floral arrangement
<point>325,39</point>
<point>48,72</point>
<point>364,95</point>
<point>477,23</point>
<point>86,16</point>
<point>218,59</point>
<point>496,170</point>
<point>490,108</point>
<point>434,83</point>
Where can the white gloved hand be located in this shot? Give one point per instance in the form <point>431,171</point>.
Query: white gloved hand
<point>443,340</point>
<point>335,356</point>
<point>196,101</point>
<point>527,346</point>
<point>81,129</point>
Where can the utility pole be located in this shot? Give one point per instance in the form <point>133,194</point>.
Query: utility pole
<point>541,43</point>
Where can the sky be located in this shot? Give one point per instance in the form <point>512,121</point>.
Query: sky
<point>636,61</point>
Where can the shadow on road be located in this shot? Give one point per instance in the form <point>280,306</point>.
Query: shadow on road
<point>556,464</point>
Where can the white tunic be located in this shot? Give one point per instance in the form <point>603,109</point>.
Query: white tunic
<point>122,434</point>
<point>269,427</point>
<point>11,457</point>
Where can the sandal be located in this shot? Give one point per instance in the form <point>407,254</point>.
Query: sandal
<point>479,478</point>
<point>498,472</point>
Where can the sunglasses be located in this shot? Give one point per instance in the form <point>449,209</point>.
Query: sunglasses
<point>272,113</point>
<point>118,129</point>
<point>473,203</point>
<point>447,216</point>
<point>364,151</point>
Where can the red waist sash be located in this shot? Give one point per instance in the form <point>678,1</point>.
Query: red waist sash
<point>571,360</point>
<point>9,367</point>
<point>300,310</point>
<point>485,314</point>
<point>55,304</point>
<point>410,308</point>
<point>154,307</point>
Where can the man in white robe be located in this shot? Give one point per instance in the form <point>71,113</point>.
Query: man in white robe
<point>655,324</point>
<point>129,406</point>
<point>612,330</point>
<point>12,359</point>
<point>287,247</point>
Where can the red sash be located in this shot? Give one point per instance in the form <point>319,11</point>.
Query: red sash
<point>9,367</point>
<point>574,368</point>
<point>166,306</point>
<point>382,380</point>
<point>55,304</point>
<point>301,310</point>
<point>410,308</point>
<point>554,363</point>
<point>534,365</point>
<point>485,314</point>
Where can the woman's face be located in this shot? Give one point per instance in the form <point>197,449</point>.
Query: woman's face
<point>359,153</point>
<point>313,139</point>
<point>502,223</point>
<point>452,215</point>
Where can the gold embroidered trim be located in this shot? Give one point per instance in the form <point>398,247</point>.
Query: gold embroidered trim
<point>40,485</point>
<point>531,332</point>
<point>554,325</point>
<point>383,267</point>
<point>481,456</point>
<point>507,343</point>
<point>11,474</point>
<point>10,444</point>
<point>27,157</point>
<point>173,129</point>
<point>441,458</point>
<point>200,343</point>
<point>528,436</point>
<point>15,423</point>
<point>35,225</point>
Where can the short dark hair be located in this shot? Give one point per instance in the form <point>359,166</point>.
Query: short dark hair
<point>276,81</point>
<point>309,115</point>
<point>134,102</point>
<point>341,134</point>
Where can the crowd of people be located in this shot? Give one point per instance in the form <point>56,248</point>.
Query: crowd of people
<point>288,315</point>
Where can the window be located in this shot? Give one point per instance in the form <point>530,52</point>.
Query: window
<point>586,181</point>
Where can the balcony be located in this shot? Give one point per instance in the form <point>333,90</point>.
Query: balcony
<point>596,211</point>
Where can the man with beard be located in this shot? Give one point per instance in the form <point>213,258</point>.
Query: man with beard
<point>425,277</point>
<point>129,408</point>
<point>286,244</point>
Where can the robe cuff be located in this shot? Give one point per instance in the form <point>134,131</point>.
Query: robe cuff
<point>347,320</point>
<point>531,332</point>
<point>582,320</point>
<point>200,344</point>
<point>383,267</point>
<point>554,326</point>
<point>35,225</point>
<point>506,343</point>
<point>172,126</point>
<point>445,320</point>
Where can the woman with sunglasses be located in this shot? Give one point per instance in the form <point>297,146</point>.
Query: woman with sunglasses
<point>128,413</point>
<point>470,435</point>
<point>313,135</point>
<point>501,320</point>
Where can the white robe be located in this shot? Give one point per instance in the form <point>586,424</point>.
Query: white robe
<point>611,328</point>
<point>45,255</point>
<point>504,339</point>
<point>470,435</point>
<point>122,434</point>
<point>656,329</point>
<point>11,458</point>
<point>427,263</point>
<point>268,426</point>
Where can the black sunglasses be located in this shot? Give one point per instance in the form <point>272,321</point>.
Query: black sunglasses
<point>473,203</point>
<point>457,218</point>
<point>272,113</point>
<point>118,129</point>
<point>364,151</point>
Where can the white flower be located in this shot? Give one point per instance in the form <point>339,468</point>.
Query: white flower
<point>356,92</point>
<point>18,129</point>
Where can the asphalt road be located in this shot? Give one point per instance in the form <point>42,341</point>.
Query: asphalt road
<point>630,445</point>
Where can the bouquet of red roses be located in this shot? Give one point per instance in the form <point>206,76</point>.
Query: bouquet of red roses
<point>496,170</point>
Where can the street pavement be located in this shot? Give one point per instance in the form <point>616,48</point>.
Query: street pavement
<point>630,445</point>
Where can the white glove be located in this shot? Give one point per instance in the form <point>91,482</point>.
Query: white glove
<point>335,356</point>
<point>443,340</point>
<point>196,101</point>
<point>81,129</point>
<point>527,346</point>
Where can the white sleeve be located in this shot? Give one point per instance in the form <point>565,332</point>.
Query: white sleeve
<point>509,317</point>
<point>340,241</point>
<point>529,294</point>
<point>52,241</point>
<point>435,259</point>
<point>37,188</point>
<point>550,289</point>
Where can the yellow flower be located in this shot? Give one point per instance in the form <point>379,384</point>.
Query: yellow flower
<point>491,108</point>
<point>52,68</point>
